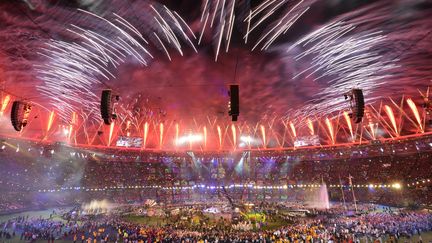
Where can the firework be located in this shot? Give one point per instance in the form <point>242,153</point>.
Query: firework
<point>348,121</point>
<point>219,17</point>
<point>292,12</point>
<point>263,136</point>
<point>161,135</point>
<point>74,69</point>
<point>145,135</point>
<point>392,118</point>
<point>50,121</point>
<point>330,130</point>
<point>416,113</point>
<point>5,103</point>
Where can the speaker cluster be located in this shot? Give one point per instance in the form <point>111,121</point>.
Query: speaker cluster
<point>234,103</point>
<point>107,104</point>
<point>19,114</point>
<point>357,104</point>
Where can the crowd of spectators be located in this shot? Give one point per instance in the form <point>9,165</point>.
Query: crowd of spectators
<point>371,225</point>
<point>35,175</point>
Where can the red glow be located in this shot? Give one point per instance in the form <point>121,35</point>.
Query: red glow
<point>330,129</point>
<point>74,119</point>
<point>205,137</point>
<point>146,129</point>
<point>348,121</point>
<point>415,111</point>
<point>111,133</point>
<point>128,123</point>
<point>234,135</point>
<point>220,136</point>
<point>5,103</point>
<point>372,130</point>
<point>391,116</point>
<point>50,121</point>
<point>293,129</point>
<point>311,127</point>
<point>161,133</point>
<point>70,132</point>
<point>263,134</point>
<point>177,133</point>
<point>190,140</point>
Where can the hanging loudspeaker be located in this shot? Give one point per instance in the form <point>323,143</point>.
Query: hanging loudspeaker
<point>234,103</point>
<point>19,114</point>
<point>106,107</point>
<point>358,105</point>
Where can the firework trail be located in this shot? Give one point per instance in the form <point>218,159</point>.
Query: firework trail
<point>74,69</point>
<point>358,50</point>
<point>219,17</point>
<point>344,62</point>
<point>292,11</point>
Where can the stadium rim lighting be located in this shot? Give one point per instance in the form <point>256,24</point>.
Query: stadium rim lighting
<point>247,139</point>
<point>397,186</point>
<point>191,138</point>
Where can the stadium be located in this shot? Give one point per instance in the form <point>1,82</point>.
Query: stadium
<point>215,121</point>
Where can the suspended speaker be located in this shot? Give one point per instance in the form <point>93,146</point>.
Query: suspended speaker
<point>106,107</point>
<point>234,103</point>
<point>358,105</point>
<point>19,114</point>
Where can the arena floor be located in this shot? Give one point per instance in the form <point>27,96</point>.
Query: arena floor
<point>155,221</point>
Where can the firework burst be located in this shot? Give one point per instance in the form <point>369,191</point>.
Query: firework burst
<point>74,69</point>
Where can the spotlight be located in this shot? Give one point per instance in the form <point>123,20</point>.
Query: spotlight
<point>191,138</point>
<point>247,139</point>
<point>397,186</point>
